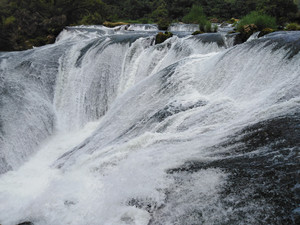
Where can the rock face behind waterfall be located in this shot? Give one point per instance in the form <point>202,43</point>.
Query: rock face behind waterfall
<point>105,127</point>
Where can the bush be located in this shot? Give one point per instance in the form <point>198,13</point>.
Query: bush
<point>261,21</point>
<point>163,23</point>
<point>292,26</point>
<point>205,26</point>
<point>196,15</point>
<point>215,28</point>
<point>91,19</point>
<point>9,21</point>
<point>161,16</point>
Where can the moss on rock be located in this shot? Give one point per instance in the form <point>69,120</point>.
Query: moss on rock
<point>245,33</point>
<point>198,32</point>
<point>292,26</point>
<point>113,24</point>
<point>265,32</point>
<point>161,37</point>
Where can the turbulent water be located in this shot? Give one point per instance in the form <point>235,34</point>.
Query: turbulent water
<point>105,127</point>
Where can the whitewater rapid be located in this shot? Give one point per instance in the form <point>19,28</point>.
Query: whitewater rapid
<point>105,127</point>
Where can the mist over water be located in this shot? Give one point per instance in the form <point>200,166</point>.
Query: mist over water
<point>104,127</point>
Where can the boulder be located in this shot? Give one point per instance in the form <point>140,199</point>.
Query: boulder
<point>245,33</point>
<point>25,223</point>
<point>250,29</point>
<point>265,32</point>
<point>161,37</point>
<point>198,32</point>
<point>113,24</point>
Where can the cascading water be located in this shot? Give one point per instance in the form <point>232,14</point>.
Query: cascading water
<point>104,127</point>
<point>183,27</point>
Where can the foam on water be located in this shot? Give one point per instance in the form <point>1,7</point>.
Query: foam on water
<point>168,119</point>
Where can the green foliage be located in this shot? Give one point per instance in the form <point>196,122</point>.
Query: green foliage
<point>9,21</point>
<point>215,28</point>
<point>161,15</point>
<point>95,18</point>
<point>253,22</point>
<point>205,26</point>
<point>292,26</point>
<point>24,20</point>
<point>282,10</point>
<point>260,20</point>
<point>196,15</point>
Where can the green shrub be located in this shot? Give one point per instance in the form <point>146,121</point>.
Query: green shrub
<point>261,21</point>
<point>292,26</point>
<point>196,15</point>
<point>9,20</point>
<point>215,28</point>
<point>163,23</point>
<point>161,16</point>
<point>91,19</point>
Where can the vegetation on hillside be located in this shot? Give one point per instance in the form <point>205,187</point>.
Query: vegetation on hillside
<point>254,22</point>
<point>260,20</point>
<point>196,15</point>
<point>27,23</point>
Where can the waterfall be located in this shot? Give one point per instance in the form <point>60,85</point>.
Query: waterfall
<point>183,27</point>
<point>105,127</point>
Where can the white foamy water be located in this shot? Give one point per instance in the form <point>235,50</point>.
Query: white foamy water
<point>123,114</point>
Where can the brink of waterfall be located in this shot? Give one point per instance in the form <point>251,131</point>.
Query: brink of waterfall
<point>105,127</point>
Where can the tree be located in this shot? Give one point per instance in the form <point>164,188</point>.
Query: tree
<point>161,15</point>
<point>282,10</point>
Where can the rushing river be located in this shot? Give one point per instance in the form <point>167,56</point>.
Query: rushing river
<point>106,128</point>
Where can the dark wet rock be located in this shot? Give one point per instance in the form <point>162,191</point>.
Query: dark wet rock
<point>245,33</point>
<point>262,161</point>
<point>161,37</point>
<point>265,32</point>
<point>25,223</point>
<point>171,109</point>
<point>288,40</point>
<point>296,215</point>
<point>146,204</point>
<point>210,38</point>
<point>197,32</point>
<point>4,166</point>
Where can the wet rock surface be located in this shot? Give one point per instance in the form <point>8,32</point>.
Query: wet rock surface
<point>262,161</point>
